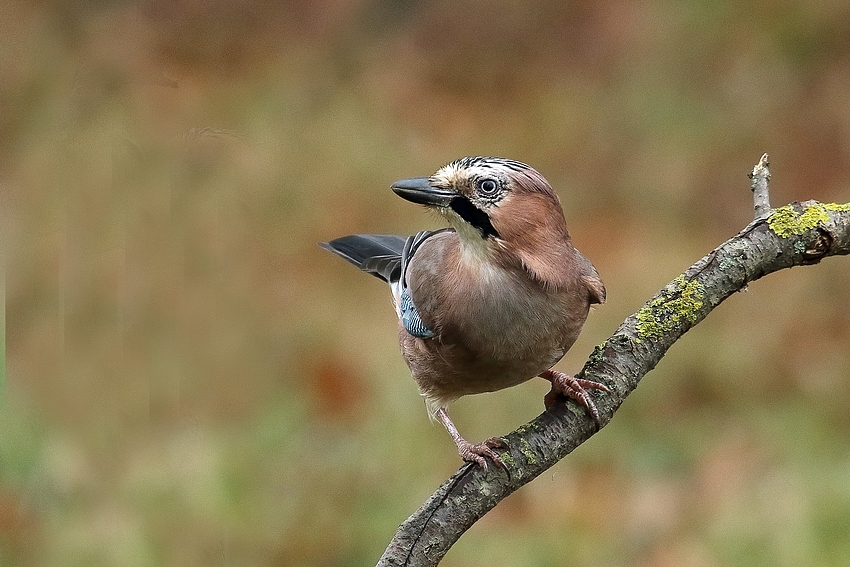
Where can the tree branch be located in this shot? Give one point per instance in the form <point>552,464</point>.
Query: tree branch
<point>794,235</point>
<point>760,187</point>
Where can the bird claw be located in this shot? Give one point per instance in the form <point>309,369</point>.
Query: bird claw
<point>573,388</point>
<point>475,453</point>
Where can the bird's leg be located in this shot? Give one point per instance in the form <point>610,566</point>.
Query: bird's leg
<point>575,388</point>
<point>469,452</point>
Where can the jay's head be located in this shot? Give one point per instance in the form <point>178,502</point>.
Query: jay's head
<point>496,206</point>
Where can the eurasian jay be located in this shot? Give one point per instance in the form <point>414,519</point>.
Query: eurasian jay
<point>491,302</point>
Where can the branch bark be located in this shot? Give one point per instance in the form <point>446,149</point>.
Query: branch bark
<point>760,188</point>
<point>798,234</point>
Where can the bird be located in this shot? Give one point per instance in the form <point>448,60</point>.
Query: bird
<point>491,301</point>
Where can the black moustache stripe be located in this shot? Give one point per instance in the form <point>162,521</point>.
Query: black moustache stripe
<point>474,216</point>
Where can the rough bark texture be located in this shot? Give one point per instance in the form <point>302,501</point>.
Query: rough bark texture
<point>761,195</point>
<point>794,235</point>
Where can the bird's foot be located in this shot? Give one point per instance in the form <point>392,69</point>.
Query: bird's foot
<point>574,388</point>
<point>476,453</point>
<point>469,452</point>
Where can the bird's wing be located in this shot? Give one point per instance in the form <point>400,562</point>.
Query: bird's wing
<point>595,287</point>
<point>405,307</point>
<point>387,257</point>
<point>377,254</point>
<point>411,245</point>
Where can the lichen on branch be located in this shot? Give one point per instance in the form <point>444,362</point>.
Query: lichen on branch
<point>673,307</point>
<point>787,222</point>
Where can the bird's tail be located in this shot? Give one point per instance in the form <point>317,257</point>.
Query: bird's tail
<point>377,254</point>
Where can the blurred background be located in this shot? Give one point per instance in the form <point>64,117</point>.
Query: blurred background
<point>190,380</point>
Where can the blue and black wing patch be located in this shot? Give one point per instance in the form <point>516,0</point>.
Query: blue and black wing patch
<point>386,257</point>
<point>410,317</point>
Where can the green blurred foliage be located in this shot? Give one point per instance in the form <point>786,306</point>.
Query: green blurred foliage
<point>192,381</point>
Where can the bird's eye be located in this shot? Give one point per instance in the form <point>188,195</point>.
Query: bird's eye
<point>488,187</point>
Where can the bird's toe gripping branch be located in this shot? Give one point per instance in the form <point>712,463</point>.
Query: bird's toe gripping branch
<point>475,453</point>
<point>564,385</point>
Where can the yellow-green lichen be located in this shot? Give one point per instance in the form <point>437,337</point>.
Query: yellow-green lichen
<point>525,449</point>
<point>835,207</point>
<point>665,313</point>
<point>598,354</point>
<point>526,427</point>
<point>786,222</point>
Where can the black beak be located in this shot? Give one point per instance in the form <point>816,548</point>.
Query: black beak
<point>419,190</point>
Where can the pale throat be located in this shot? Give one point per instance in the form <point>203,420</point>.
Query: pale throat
<point>478,256</point>
<point>473,247</point>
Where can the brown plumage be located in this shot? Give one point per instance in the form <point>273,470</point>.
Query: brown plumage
<point>496,301</point>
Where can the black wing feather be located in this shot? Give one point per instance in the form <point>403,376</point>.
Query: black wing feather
<point>378,254</point>
<point>385,256</point>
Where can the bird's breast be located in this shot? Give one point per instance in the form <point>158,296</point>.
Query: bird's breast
<point>495,326</point>
<point>505,315</point>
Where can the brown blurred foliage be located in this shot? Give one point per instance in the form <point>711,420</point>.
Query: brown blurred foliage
<point>190,380</point>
